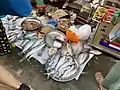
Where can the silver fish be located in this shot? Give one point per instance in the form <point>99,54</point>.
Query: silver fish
<point>87,46</point>
<point>69,73</point>
<point>12,37</point>
<point>19,34</point>
<point>69,60</point>
<point>96,52</point>
<point>30,35</point>
<point>28,45</point>
<point>66,68</point>
<point>77,48</point>
<point>56,59</point>
<point>64,50</point>
<point>35,49</point>
<point>37,42</point>
<point>45,55</point>
<point>83,57</point>
<point>12,32</point>
<point>24,42</point>
<point>69,49</point>
<point>66,65</point>
<point>61,61</point>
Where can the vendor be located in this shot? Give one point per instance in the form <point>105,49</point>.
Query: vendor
<point>11,7</point>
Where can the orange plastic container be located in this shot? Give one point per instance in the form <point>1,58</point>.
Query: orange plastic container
<point>72,36</point>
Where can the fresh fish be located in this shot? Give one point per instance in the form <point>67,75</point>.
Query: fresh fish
<point>56,59</point>
<point>35,49</point>
<point>32,55</point>
<point>37,42</point>
<point>11,32</point>
<point>77,48</point>
<point>96,52</point>
<point>28,45</point>
<point>61,61</point>
<point>87,46</point>
<point>65,66</point>
<point>19,34</point>
<point>30,35</point>
<point>64,50</point>
<point>69,49</point>
<point>69,60</point>
<point>45,55</point>
<point>24,42</point>
<point>69,73</point>
<point>12,37</point>
<point>83,57</point>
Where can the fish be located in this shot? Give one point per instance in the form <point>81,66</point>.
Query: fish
<point>96,52</point>
<point>63,50</point>
<point>65,68</point>
<point>69,49</point>
<point>45,55</point>
<point>56,59</point>
<point>11,32</point>
<point>61,61</point>
<point>65,65</point>
<point>35,49</point>
<point>12,38</point>
<point>28,35</point>
<point>53,60</point>
<point>19,34</point>
<point>69,60</point>
<point>24,42</point>
<point>69,73</point>
<point>28,45</point>
<point>77,48</point>
<point>37,42</point>
<point>82,58</point>
<point>87,46</point>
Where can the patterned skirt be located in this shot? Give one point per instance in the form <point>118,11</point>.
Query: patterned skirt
<point>4,43</point>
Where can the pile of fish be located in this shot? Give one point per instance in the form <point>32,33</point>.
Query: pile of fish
<point>61,68</point>
<point>32,45</point>
<point>62,64</point>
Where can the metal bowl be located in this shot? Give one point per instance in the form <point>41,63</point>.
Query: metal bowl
<point>31,24</point>
<point>50,37</point>
<point>69,78</point>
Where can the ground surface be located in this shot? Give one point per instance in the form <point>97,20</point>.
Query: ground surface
<point>32,72</point>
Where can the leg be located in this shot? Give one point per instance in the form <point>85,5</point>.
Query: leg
<point>7,79</point>
<point>112,80</point>
<point>3,87</point>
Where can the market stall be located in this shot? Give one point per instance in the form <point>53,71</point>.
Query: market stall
<point>51,36</point>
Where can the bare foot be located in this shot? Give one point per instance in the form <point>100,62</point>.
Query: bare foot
<point>99,79</point>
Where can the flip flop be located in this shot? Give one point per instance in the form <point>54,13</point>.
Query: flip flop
<point>99,78</point>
